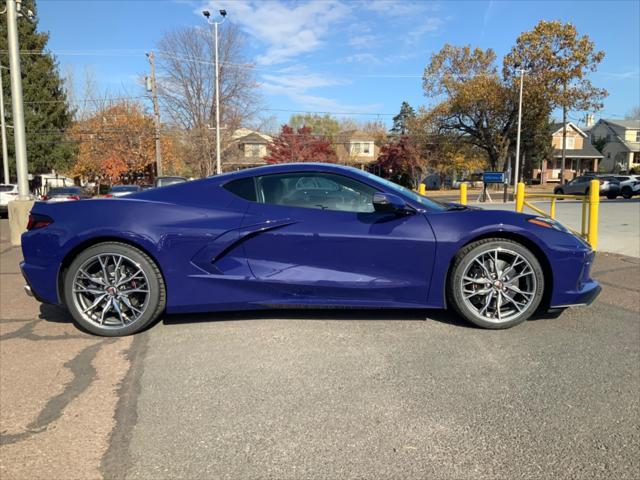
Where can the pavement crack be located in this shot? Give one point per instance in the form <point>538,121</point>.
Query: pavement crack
<point>26,333</point>
<point>117,459</point>
<point>83,375</point>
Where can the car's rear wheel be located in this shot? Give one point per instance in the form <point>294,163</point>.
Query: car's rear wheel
<point>496,283</point>
<point>611,196</point>
<point>627,192</point>
<point>113,289</point>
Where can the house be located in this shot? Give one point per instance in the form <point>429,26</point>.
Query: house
<point>356,148</point>
<point>580,155</point>
<point>622,147</point>
<point>246,149</point>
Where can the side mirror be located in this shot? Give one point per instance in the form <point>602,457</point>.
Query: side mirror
<point>389,203</point>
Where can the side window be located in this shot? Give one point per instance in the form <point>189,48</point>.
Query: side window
<point>323,191</point>
<point>243,188</point>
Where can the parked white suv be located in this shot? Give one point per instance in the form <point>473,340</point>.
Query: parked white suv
<point>8,192</point>
<point>629,184</point>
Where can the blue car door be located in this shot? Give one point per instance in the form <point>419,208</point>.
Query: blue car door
<point>316,239</point>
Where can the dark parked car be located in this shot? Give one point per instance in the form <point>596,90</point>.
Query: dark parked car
<point>65,194</point>
<point>164,181</point>
<point>122,190</point>
<point>297,235</point>
<point>609,187</point>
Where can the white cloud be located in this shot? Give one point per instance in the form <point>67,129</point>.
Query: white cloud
<point>399,8</point>
<point>365,58</point>
<point>430,25</point>
<point>296,87</point>
<point>286,29</point>
<point>362,41</point>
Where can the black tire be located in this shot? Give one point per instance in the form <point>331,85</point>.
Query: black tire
<point>464,259</point>
<point>611,196</point>
<point>627,193</point>
<point>155,300</point>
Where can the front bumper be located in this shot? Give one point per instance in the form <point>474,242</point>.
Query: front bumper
<point>586,296</point>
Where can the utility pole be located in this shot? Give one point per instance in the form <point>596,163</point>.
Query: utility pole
<point>3,127</point>
<point>16,101</point>
<point>517,162</point>
<point>564,130</point>
<point>153,89</point>
<point>223,14</point>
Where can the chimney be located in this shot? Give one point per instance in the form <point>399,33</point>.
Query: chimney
<point>590,121</point>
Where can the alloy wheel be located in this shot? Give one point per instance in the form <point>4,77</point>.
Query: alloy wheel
<point>498,285</point>
<point>111,290</point>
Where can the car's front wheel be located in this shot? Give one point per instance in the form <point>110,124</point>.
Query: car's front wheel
<point>114,289</point>
<point>627,192</point>
<point>496,283</point>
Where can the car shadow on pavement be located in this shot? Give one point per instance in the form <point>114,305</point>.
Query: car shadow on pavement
<point>54,313</point>
<point>346,314</point>
<point>57,314</point>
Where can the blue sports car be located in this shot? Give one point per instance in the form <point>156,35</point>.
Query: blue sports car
<point>296,235</point>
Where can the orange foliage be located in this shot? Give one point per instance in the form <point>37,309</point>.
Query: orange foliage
<point>119,141</point>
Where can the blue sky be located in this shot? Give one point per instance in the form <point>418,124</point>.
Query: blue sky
<point>362,57</point>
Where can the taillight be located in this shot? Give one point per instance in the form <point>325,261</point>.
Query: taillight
<point>73,197</point>
<point>38,221</point>
<point>45,198</point>
<point>108,195</point>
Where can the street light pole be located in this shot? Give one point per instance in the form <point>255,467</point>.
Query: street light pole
<point>223,14</point>
<point>3,127</point>
<point>517,161</point>
<point>156,111</point>
<point>16,101</point>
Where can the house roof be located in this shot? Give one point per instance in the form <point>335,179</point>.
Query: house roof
<point>355,135</point>
<point>254,137</point>
<point>624,123</point>
<point>245,132</point>
<point>557,127</point>
<point>587,151</point>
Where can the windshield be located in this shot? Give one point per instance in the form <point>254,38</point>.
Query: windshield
<point>427,202</point>
<point>64,191</point>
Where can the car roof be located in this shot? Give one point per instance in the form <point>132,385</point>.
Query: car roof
<point>285,168</point>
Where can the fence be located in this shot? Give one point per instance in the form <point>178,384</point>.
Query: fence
<point>590,206</point>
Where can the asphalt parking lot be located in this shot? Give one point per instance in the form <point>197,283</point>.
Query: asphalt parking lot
<point>323,394</point>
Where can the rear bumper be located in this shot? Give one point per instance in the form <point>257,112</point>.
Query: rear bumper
<point>40,283</point>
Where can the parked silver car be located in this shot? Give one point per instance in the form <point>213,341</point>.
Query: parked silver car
<point>609,187</point>
<point>629,184</point>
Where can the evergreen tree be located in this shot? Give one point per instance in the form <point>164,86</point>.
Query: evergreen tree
<point>401,121</point>
<point>46,109</point>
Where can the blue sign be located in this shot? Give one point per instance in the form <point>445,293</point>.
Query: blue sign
<point>493,177</point>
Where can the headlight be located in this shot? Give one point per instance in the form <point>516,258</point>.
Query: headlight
<point>547,222</point>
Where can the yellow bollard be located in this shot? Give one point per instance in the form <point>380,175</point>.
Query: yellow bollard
<point>552,212</point>
<point>583,230</point>
<point>520,197</point>
<point>422,189</point>
<point>463,193</point>
<point>594,203</point>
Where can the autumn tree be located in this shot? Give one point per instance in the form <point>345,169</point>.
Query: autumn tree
<point>401,162</point>
<point>324,125</point>
<point>299,145</point>
<point>186,87</point>
<point>117,144</point>
<point>480,105</point>
<point>557,61</point>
